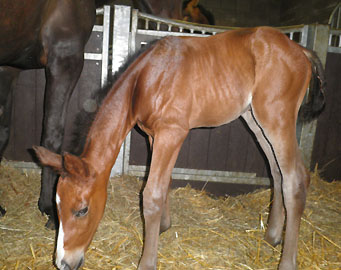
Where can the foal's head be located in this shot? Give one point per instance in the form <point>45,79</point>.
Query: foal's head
<point>80,205</point>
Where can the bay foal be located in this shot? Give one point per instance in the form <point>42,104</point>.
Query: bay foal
<point>177,84</point>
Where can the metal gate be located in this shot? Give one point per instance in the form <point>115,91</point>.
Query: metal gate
<point>224,154</point>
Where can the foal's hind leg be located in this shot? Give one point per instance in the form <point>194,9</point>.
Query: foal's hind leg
<point>276,220</point>
<point>167,144</point>
<point>281,133</point>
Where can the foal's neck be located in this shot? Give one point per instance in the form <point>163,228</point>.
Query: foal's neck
<point>111,125</point>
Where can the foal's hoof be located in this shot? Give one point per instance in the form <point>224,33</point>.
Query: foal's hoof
<point>273,241</point>
<point>165,226</point>
<point>2,211</point>
<point>50,224</point>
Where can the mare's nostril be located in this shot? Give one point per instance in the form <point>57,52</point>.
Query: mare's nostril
<point>65,266</point>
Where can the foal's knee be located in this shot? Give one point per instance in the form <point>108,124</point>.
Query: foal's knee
<point>152,203</point>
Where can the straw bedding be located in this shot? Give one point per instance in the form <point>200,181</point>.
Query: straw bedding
<point>207,233</point>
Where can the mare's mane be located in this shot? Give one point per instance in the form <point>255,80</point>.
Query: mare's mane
<point>84,118</point>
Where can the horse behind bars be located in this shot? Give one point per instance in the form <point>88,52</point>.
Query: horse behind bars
<point>177,84</point>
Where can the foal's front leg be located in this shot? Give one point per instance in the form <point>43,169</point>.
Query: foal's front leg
<point>167,144</point>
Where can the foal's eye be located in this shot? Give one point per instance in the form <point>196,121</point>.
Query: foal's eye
<point>82,212</point>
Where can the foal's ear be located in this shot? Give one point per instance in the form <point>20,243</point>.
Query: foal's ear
<point>48,158</point>
<point>75,165</point>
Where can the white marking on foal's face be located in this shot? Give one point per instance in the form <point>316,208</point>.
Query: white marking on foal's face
<point>60,252</point>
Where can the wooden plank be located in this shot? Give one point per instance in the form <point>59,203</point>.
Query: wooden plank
<point>182,161</point>
<point>139,152</point>
<point>23,132</point>
<point>255,158</point>
<point>217,154</point>
<point>237,148</point>
<point>198,148</point>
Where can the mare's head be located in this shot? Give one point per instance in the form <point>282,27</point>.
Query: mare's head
<point>80,205</point>
<point>192,11</point>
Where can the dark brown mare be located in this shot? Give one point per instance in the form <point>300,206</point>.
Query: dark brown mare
<point>177,84</point>
<point>48,34</point>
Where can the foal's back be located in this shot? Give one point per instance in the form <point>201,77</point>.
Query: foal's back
<point>212,81</point>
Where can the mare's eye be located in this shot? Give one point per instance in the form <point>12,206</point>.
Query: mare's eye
<point>82,212</point>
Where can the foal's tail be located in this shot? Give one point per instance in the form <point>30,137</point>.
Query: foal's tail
<point>316,100</point>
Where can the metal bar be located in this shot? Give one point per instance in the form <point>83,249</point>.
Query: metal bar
<point>134,24</point>
<point>304,37</point>
<point>334,49</point>
<point>93,56</point>
<point>105,45</point>
<point>335,32</point>
<point>166,33</point>
<point>120,36</point>
<point>206,175</point>
<point>184,24</point>
<point>120,52</point>
<point>97,28</point>
<point>126,157</point>
<point>99,11</point>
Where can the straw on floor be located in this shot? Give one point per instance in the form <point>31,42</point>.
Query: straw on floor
<point>207,232</point>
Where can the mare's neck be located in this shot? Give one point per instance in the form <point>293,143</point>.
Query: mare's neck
<point>111,125</point>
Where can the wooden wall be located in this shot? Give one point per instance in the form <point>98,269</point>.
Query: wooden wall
<point>227,148</point>
<point>306,11</point>
<point>244,12</point>
<point>327,144</point>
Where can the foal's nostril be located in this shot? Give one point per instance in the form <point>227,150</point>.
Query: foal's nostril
<point>65,266</point>
<point>80,263</point>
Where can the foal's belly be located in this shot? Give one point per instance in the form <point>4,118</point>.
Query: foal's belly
<point>219,109</point>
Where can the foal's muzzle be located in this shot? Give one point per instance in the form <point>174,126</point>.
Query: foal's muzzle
<point>72,264</point>
<point>66,266</point>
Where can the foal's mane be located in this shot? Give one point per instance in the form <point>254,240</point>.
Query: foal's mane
<point>84,119</point>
